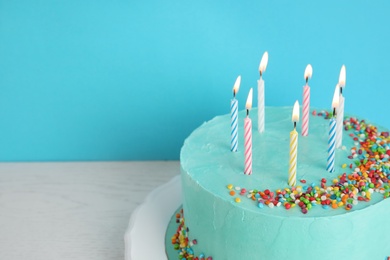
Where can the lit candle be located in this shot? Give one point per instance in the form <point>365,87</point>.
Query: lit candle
<point>234,116</point>
<point>248,135</point>
<point>340,110</point>
<point>332,132</point>
<point>306,101</point>
<point>260,87</point>
<point>292,171</point>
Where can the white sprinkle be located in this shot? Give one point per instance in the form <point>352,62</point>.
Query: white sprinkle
<point>237,188</point>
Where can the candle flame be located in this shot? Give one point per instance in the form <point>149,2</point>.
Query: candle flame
<point>308,72</point>
<point>295,114</point>
<point>263,62</point>
<point>342,77</point>
<point>249,99</point>
<point>236,86</point>
<point>336,97</point>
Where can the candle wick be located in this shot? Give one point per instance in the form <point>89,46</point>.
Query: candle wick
<point>334,112</point>
<point>247,112</point>
<point>261,73</point>
<point>295,125</point>
<point>234,93</point>
<point>341,90</point>
<point>307,80</point>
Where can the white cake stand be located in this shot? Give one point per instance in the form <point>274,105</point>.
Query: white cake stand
<point>145,235</point>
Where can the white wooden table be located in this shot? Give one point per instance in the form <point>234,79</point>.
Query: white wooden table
<point>72,210</point>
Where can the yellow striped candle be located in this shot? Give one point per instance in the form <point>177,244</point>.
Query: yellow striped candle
<point>292,170</point>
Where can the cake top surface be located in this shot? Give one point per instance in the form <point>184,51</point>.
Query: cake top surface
<point>206,158</point>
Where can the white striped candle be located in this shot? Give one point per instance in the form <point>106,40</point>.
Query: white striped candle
<point>306,101</point>
<point>261,105</point>
<point>340,109</point>
<point>248,136</point>
<point>261,94</point>
<point>234,117</point>
<point>339,123</point>
<point>292,170</point>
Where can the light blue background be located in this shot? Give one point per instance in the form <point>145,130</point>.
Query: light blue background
<point>129,80</point>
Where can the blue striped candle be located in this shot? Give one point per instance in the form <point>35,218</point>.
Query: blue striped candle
<point>332,131</point>
<point>234,116</point>
<point>234,125</point>
<point>331,145</point>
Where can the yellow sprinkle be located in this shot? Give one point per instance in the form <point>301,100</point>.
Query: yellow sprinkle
<point>238,200</point>
<point>335,181</point>
<point>336,189</point>
<point>340,204</point>
<point>344,165</point>
<point>292,205</point>
<point>368,194</point>
<point>230,186</point>
<point>287,189</point>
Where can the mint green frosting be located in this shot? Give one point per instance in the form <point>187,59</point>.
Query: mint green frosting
<point>225,229</point>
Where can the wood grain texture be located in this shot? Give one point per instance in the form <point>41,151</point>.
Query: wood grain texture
<point>73,210</point>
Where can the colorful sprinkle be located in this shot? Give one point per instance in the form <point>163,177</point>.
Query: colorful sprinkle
<point>181,242</point>
<point>370,171</point>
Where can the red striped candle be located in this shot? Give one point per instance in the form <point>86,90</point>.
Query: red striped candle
<point>306,101</point>
<point>248,136</point>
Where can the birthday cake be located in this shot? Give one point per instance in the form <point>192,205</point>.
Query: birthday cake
<point>327,215</point>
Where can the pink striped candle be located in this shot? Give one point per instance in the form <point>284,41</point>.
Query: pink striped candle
<point>306,101</point>
<point>248,136</point>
